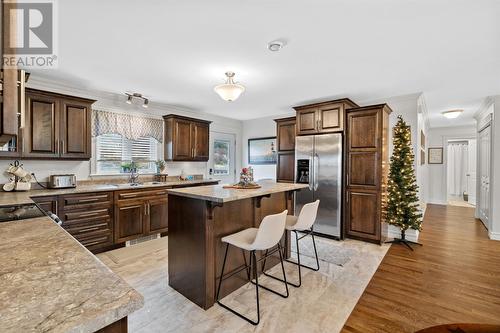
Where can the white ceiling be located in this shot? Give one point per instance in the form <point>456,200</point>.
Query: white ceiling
<point>176,51</point>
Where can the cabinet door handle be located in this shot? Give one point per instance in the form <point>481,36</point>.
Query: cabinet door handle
<point>89,229</point>
<point>149,208</point>
<point>62,144</point>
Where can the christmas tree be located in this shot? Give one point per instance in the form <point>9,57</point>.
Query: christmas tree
<point>402,205</point>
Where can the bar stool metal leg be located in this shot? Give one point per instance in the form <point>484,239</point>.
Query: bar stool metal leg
<point>254,265</point>
<point>282,269</point>
<point>307,233</point>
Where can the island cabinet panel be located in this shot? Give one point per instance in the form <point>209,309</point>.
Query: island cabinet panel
<point>285,142</point>
<point>367,162</point>
<point>196,252</point>
<point>186,139</point>
<point>120,326</point>
<point>325,117</point>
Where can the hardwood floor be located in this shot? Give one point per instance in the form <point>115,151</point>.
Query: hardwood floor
<point>453,278</point>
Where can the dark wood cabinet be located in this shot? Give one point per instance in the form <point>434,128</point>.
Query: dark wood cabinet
<point>56,127</point>
<point>140,213</point>
<point>130,219</point>
<point>200,137</point>
<point>75,129</point>
<point>157,215</point>
<point>367,161</point>
<point>325,117</point>
<point>186,139</point>
<point>89,218</point>
<point>41,135</point>
<point>48,204</point>
<point>285,142</point>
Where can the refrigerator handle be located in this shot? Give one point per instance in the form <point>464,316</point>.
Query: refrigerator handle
<point>316,171</point>
<point>311,172</point>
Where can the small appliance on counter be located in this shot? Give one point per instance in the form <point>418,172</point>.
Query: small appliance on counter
<point>62,181</point>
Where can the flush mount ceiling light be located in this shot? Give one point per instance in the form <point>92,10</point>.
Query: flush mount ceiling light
<point>452,114</point>
<point>131,96</point>
<point>229,91</point>
<point>275,45</point>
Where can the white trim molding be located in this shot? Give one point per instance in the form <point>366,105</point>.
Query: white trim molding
<point>494,235</point>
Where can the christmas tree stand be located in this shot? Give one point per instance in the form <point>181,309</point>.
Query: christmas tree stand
<point>403,241</point>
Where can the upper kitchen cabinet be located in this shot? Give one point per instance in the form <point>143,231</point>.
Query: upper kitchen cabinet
<point>57,126</point>
<point>186,139</point>
<point>325,117</point>
<point>285,142</point>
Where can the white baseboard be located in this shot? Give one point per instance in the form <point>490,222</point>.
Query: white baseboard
<point>494,235</point>
<point>437,202</point>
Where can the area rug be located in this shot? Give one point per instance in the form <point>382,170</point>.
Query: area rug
<point>328,250</point>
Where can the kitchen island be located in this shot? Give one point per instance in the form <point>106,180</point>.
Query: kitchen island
<point>199,217</point>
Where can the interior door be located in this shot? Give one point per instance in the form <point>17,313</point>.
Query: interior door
<point>221,164</point>
<point>484,177</point>
<point>471,171</point>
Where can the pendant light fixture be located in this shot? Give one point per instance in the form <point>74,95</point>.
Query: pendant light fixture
<point>452,114</point>
<point>229,91</point>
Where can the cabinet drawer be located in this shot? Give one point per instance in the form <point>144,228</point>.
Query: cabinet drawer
<point>95,240</point>
<point>86,214</point>
<point>84,201</point>
<point>138,194</point>
<point>88,226</point>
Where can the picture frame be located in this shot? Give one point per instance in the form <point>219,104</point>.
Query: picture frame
<point>435,155</point>
<point>262,151</point>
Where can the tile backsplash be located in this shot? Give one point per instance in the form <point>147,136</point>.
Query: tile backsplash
<point>43,169</point>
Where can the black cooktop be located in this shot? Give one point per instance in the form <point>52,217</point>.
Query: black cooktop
<point>20,212</point>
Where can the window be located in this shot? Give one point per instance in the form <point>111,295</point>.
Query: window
<point>114,154</point>
<point>221,157</point>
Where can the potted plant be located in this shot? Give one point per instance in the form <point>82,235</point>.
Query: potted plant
<point>126,167</point>
<point>160,166</point>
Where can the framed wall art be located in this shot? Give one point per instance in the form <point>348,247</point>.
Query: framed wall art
<point>262,150</point>
<point>436,155</point>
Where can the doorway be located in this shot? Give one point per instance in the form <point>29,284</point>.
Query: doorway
<point>221,163</point>
<point>461,172</point>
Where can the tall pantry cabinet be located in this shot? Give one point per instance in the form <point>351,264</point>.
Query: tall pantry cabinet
<point>367,166</point>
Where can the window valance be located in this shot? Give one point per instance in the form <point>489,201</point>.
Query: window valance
<point>129,126</point>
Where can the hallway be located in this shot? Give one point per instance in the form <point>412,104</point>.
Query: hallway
<point>453,278</point>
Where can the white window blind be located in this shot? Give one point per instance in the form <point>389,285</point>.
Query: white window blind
<point>114,153</point>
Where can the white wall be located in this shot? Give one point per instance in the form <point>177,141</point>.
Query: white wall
<point>257,128</point>
<point>116,103</point>
<point>438,137</point>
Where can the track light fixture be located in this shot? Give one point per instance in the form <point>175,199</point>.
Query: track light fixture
<point>131,96</point>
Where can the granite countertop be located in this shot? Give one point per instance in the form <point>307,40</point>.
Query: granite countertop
<point>17,198</point>
<point>217,193</point>
<point>51,283</point>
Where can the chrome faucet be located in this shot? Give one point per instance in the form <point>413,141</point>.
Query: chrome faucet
<point>134,175</point>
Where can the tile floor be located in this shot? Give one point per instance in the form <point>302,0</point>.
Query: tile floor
<point>322,304</point>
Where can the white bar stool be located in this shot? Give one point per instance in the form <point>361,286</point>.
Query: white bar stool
<point>265,237</point>
<point>303,223</point>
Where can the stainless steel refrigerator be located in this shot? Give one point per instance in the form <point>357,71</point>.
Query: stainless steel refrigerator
<point>318,162</point>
